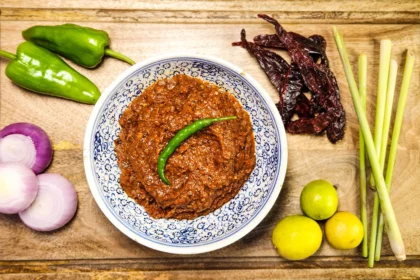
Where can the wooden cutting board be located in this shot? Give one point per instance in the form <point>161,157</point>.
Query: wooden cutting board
<point>91,248</point>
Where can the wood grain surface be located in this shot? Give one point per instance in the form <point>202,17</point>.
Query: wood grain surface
<point>91,248</point>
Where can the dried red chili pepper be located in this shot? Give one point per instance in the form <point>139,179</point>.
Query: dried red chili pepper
<point>292,88</point>
<point>319,41</point>
<point>311,125</point>
<point>273,41</point>
<point>303,108</point>
<point>273,65</point>
<point>306,73</point>
<point>269,41</point>
<point>286,78</point>
<point>314,44</point>
<point>319,79</point>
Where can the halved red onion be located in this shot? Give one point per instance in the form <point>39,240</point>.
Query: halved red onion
<point>54,205</point>
<point>18,187</point>
<point>26,143</point>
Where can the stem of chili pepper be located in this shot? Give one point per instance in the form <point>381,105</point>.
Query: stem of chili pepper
<point>180,137</point>
<point>119,56</point>
<point>362,64</point>
<point>408,71</point>
<point>7,55</point>
<point>393,230</point>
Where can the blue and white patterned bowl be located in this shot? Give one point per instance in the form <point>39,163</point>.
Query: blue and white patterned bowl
<point>225,225</point>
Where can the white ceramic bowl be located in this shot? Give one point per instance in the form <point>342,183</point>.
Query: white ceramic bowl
<point>225,225</point>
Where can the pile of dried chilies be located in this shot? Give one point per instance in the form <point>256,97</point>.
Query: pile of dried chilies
<point>308,72</point>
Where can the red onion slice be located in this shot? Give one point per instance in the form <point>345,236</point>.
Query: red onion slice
<point>18,187</point>
<point>54,205</point>
<point>35,152</point>
<point>17,148</point>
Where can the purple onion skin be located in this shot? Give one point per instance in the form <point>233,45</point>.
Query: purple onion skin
<point>41,141</point>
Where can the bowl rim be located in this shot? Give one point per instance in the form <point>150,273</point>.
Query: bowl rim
<point>200,248</point>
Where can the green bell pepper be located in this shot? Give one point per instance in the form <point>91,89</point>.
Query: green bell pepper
<point>42,71</point>
<point>82,45</point>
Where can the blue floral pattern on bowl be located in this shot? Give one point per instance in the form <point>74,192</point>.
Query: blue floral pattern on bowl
<point>205,230</point>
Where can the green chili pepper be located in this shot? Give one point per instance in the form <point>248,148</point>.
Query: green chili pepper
<point>40,70</point>
<point>180,137</point>
<point>82,45</point>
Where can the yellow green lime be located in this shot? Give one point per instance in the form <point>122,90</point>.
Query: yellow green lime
<point>319,200</point>
<point>344,230</point>
<point>297,237</point>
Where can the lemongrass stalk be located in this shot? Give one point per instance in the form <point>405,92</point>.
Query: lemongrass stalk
<point>381,99</point>
<point>362,71</point>
<point>373,229</point>
<point>408,71</point>
<point>388,110</point>
<point>384,62</point>
<point>392,77</point>
<point>384,144</point>
<point>393,231</point>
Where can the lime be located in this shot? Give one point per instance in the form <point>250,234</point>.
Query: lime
<point>297,237</point>
<point>344,230</point>
<point>319,200</point>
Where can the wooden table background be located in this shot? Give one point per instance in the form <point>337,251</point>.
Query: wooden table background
<point>91,248</point>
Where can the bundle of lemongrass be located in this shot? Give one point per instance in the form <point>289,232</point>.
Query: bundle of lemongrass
<point>376,147</point>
